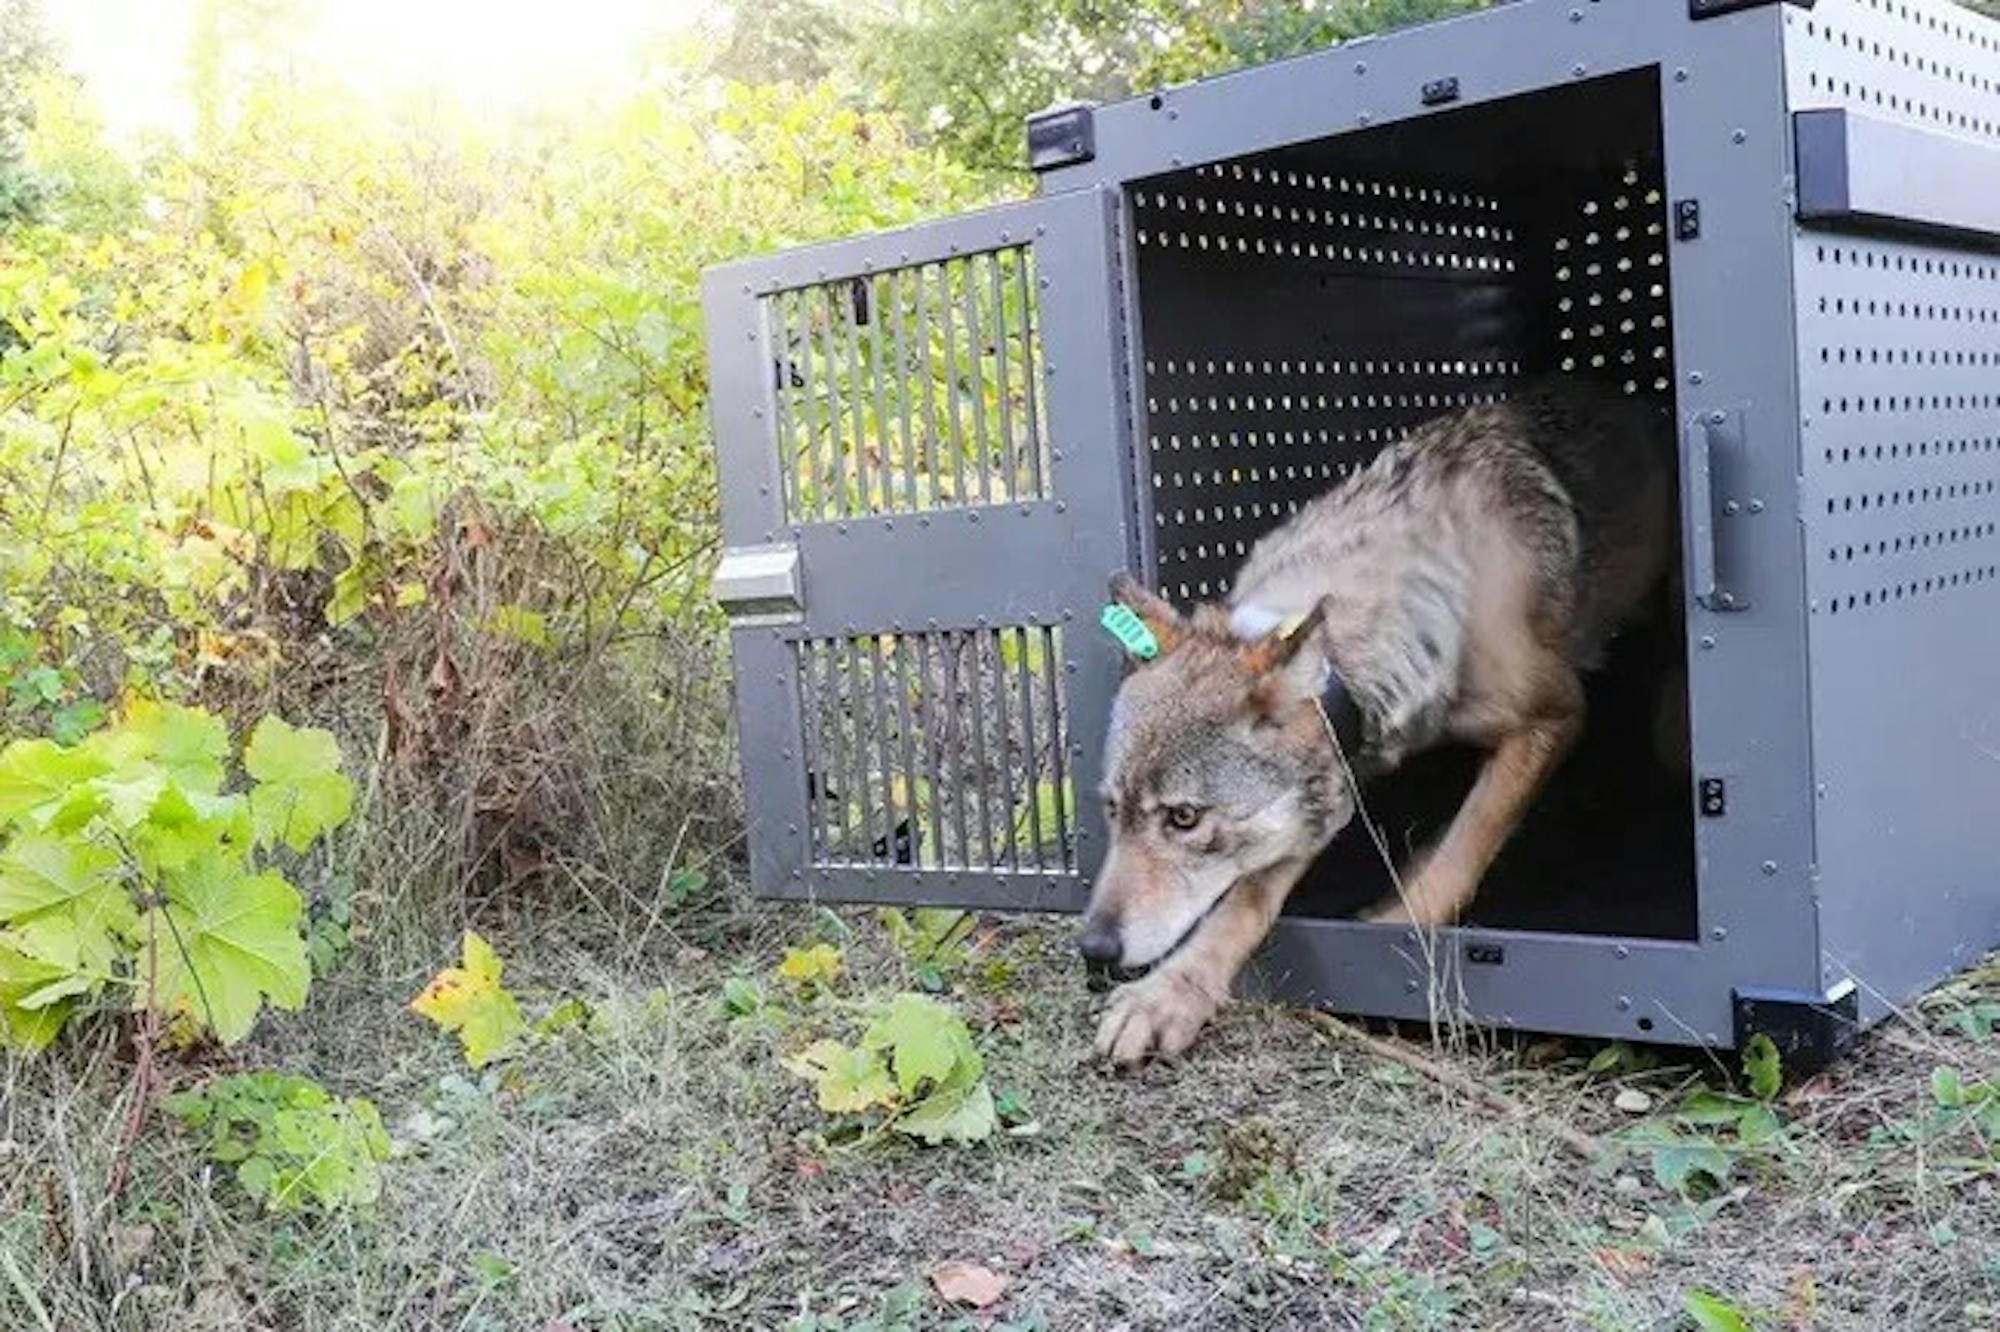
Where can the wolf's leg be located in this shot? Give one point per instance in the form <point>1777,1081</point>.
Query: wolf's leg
<point>1165,1010</point>
<point>1508,782</point>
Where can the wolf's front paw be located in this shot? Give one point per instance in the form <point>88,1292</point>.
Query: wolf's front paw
<point>1161,1014</point>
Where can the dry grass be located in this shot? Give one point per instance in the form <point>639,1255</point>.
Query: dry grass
<point>662,1170</point>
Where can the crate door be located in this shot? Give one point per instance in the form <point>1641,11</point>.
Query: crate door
<point>922,450</point>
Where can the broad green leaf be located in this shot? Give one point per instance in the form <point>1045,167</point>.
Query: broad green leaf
<point>350,592</point>
<point>1762,1067</point>
<point>181,829</point>
<point>845,1079</point>
<point>952,1113</point>
<point>300,791</point>
<point>571,1012</point>
<point>925,1039</point>
<point>741,997</point>
<point>38,777</point>
<point>228,940</point>
<point>1759,1124</point>
<point>1712,1313</point>
<point>819,963</point>
<point>1948,1088</point>
<point>1676,1164</point>
<point>1710,1107</point>
<point>25,1024</point>
<point>64,903</point>
<point>189,745</point>
<point>129,800</point>
<point>470,1000</point>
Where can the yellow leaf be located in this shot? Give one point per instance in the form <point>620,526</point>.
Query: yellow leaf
<point>820,963</point>
<point>469,1000</point>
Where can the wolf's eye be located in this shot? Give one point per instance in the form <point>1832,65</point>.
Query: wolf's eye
<point>1184,818</point>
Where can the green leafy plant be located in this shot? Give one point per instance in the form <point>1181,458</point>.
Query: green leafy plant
<point>293,1144</point>
<point>932,940</point>
<point>127,868</point>
<point>1706,1136</point>
<point>1763,1071</point>
<point>1713,1313</point>
<point>915,1068</point>
<point>40,698</point>
<point>812,968</point>
<point>468,999</point>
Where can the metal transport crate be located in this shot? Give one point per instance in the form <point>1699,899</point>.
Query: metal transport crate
<point>1778,221</point>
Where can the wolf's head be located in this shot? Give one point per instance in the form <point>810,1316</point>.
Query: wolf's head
<point>1217,765</point>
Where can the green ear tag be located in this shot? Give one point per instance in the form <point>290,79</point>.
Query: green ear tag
<point>1131,632</point>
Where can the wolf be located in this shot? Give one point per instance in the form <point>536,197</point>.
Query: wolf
<point>1453,589</point>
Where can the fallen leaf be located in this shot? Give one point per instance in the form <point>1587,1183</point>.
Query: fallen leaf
<point>1633,1101</point>
<point>968,1283</point>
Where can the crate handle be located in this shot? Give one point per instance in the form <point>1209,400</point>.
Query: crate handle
<point>1715,459</point>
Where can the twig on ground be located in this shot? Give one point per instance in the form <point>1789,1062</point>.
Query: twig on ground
<point>1580,1143</point>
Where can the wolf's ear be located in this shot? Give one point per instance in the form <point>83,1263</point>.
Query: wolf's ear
<point>1168,626</point>
<point>1276,660</point>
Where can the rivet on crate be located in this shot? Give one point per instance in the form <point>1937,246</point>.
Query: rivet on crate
<point>1770,867</point>
<point>1718,934</point>
<point>1680,76</point>
<point>1756,506</point>
<point>1621,952</point>
<point>1707,641</point>
<point>1624,1003</point>
<point>1360,67</point>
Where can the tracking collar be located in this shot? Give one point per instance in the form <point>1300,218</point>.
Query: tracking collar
<point>1337,704</point>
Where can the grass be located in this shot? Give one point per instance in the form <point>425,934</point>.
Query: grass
<point>659,1168</point>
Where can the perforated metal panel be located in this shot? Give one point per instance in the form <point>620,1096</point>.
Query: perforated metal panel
<point>1899,378</point>
<point>1273,362</point>
<point>1927,63</point>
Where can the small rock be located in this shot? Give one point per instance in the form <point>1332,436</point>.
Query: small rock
<point>1633,1101</point>
<point>1625,1184</point>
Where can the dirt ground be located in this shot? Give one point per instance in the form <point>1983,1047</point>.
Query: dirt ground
<point>658,1167</point>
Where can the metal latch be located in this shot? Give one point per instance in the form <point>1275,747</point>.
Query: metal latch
<point>1062,136</point>
<point>759,585</point>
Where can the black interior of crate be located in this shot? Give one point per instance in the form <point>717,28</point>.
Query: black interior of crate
<point>1302,307</point>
